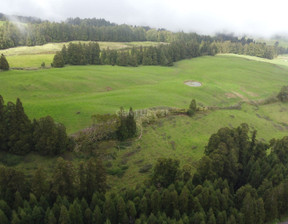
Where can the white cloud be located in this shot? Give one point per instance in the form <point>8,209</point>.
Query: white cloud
<point>206,16</point>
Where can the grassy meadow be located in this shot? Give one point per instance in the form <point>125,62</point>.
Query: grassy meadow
<point>73,93</point>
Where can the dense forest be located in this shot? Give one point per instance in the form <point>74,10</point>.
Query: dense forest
<point>239,180</point>
<point>236,181</point>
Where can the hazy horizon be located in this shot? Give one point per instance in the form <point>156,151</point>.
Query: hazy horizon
<point>254,18</point>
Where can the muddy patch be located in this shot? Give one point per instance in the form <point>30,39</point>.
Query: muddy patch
<point>193,83</point>
<point>108,88</point>
<point>230,95</point>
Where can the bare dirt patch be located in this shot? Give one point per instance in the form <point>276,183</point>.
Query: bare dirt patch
<point>249,93</point>
<point>193,83</point>
<point>230,95</point>
<point>241,96</point>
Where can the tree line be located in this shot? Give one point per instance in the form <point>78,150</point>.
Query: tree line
<point>165,55</point>
<point>31,34</point>
<point>29,31</point>
<point>236,181</point>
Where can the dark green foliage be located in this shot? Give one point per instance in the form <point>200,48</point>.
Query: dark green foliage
<point>165,172</point>
<point>127,128</point>
<point>64,217</point>
<point>39,184</point>
<point>235,182</point>
<point>63,180</point>
<point>49,137</point>
<point>3,63</point>
<point>79,54</point>
<point>283,94</point>
<point>18,129</point>
<point>192,108</point>
<point>19,136</point>
<point>92,176</point>
<point>3,218</point>
<point>58,60</point>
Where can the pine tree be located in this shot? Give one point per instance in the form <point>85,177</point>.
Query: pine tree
<point>192,108</point>
<point>49,138</point>
<point>131,124</point>
<point>121,211</point>
<point>131,211</point>
<point>15,219</point>
<point>75,213</point>
<point>3,133</point>
<point>19,129</point>
<point>3,218</point>
<point>3,63</point>
<point>88,216</point>
<point>109,210</point>
<point>58,60</point>
<point>63,180</point>
<point>64,217</point>
<point>51,218</point>
<point>97,215</point>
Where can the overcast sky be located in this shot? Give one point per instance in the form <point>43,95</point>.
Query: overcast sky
<point>256,17</point>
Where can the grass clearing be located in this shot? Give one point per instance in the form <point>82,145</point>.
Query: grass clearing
<point>26,61</point>
<point>72,94</point>
<point>185,138</point>
<point>62,93</point>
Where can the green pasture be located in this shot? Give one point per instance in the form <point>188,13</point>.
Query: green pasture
<point>74,93</point>
<point>280,60</point>
<point>185,138</point>
<point>30,61</point>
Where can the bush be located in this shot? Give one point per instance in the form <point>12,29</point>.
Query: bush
<point>117,171</point>
<point>283,94</point>
<point>145,168</point>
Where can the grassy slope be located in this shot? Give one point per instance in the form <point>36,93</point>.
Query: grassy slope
<point>62,93</point>
<point>190,136</point>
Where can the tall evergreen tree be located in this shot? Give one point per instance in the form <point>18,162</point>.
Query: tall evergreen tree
<point>131,123</point>
<point>58,60</point>
<point>4,65</point>
<point>192,108</point>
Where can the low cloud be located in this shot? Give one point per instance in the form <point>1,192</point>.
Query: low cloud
<point>207,17</point>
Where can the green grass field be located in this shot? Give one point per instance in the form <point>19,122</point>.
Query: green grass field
<point>62,93</point>
<point>74,93</point>
<point>185,138</point>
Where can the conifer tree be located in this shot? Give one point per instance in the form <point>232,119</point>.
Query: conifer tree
<point>58,60</point>
<point>97,215</point>
<point>131,123</point>
<point>3,63</point>
<point>63,180</point>
<point>3,132</point>
<point>192,108</point>
<point>64,217</point>
<point>3,218</point>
